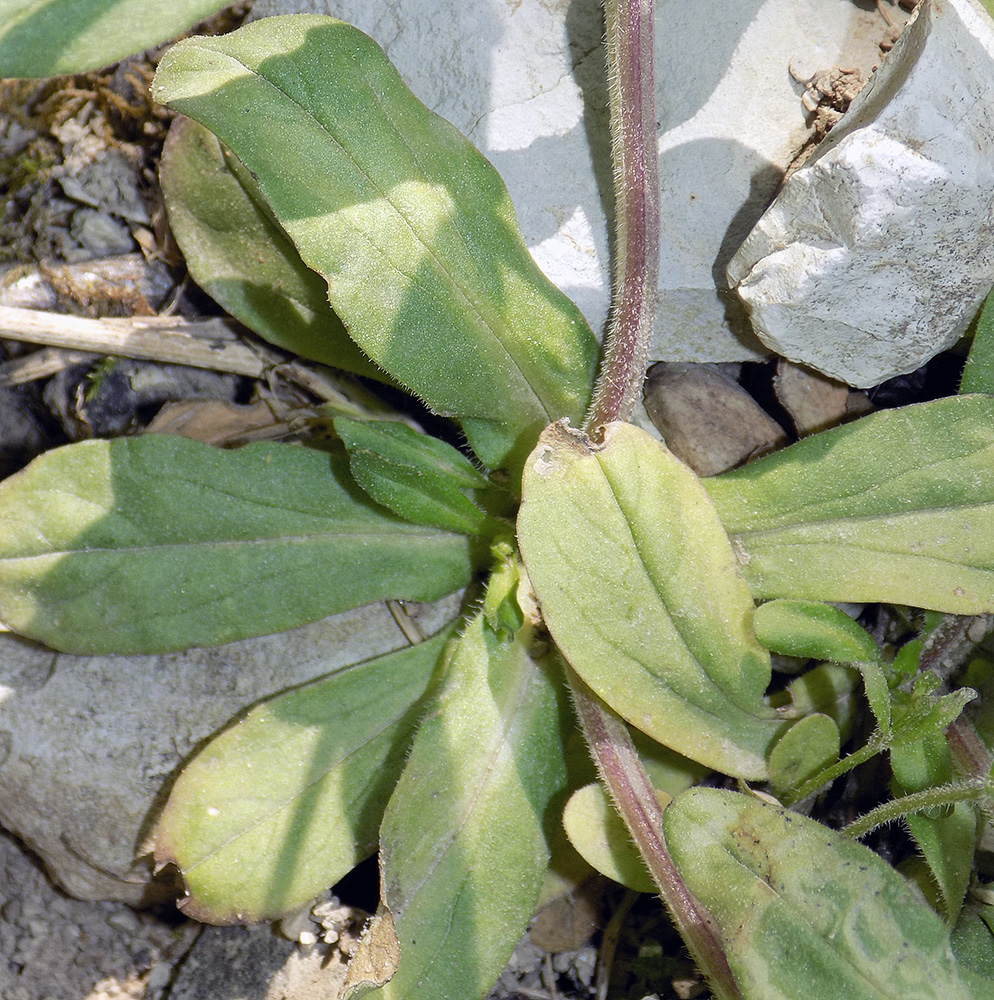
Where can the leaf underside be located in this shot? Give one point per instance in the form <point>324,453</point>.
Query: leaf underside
<point>640,590</point>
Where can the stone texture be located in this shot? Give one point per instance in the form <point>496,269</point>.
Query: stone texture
<point>253,963</point>
<point>877,253</point>
<point>89,744</point>
<point>706,418</point>
<point>813,401</point>
<point>525,80</point>
<point>56,948</point>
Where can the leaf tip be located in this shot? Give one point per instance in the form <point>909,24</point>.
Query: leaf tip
<point>377,957</point>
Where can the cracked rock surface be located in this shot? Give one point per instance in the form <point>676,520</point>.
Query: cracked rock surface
<point>525,80</point>
<point>878,252</point>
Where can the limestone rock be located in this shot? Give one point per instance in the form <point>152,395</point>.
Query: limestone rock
<point>877,253</point>
<point>89,744</point>
<point>525,81</point>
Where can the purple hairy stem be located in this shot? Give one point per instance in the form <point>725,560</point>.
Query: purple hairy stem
<point>635,799</point>
<point>632,91</point>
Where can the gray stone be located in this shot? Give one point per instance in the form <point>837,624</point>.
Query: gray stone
<point>525,81</point>
<point>253,963</point>
<point>89,744</point>
<point>56,948</point>
<point>878,252</point>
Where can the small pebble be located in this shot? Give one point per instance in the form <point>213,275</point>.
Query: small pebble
<point>123,920</point>
<point>159,976</point>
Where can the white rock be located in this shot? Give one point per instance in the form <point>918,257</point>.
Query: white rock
<point>877,253</point>
<point>89,744</point>
<point>525,80</point>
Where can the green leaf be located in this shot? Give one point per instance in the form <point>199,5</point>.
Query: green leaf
<point>639,588</point>
<point>906,663</point>
<point>415,475</point>
<point>896,507</point>
<point>52,37</point>
<point>947,838</point>
<point>948,842</point>
<point>597,831</point>
<point>814,631</point>
<point>158,543</point>
<point>820,631</point>
<point>463,846</point>
<point>973,940</point>
<point>826,688</point>
<point>599,834</point>
<point>809,746</point>
<point>412,228</point>
<point>501,608</point>
<point>289,799</point>
<point>921,714</point>
<point>241,257</point>
<point>804,911</point>
<point>978,375</point>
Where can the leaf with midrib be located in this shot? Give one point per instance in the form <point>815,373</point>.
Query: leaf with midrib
<point>463,845</point>
<point>418,477</point>
<point>804,911</point>
<point>289,799</point>
<point>158,543</point>
<point>242,258</point>
<point>639,587</point>
<point>54,37</point>
<point>412,228</point>
<point>897,507</point>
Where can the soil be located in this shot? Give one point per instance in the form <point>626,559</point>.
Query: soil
<point>53,947</point>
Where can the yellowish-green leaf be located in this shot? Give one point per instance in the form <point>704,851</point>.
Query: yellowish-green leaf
<point>896,507</point>
<point>806,912</point>
<point>639,587</point>
<point>288,800</point>
<point>464,842</point>
<point>597,831</point>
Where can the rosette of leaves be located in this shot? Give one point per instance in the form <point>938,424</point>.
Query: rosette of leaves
<point>328,209</point>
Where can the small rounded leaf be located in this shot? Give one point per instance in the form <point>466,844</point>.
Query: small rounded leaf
<point>806,748</point>
<point>812,630</point>
<point>598,833</point>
